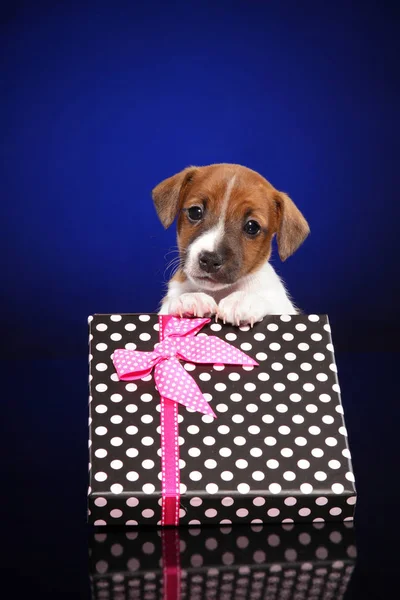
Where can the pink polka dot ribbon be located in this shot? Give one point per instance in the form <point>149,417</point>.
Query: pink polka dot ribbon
<point>178,341</point>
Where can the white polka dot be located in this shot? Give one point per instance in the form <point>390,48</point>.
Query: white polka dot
<point>258,475</point>
<point>252,408</point>
<point>306,488</point>
<point>263,376</point>
<point>350,476</point>
<point>308,387</point>
<point>290,356</point>
<point>311,408</point>
<point>300,441</point>
<point>227,501</point>
<point>131,387</point>
<point>268,419</point>
<point>303,346</point>
<point>100,502</point>
<point>276,366</point>
<point>100,476</point>
<point>282,408</point>
<point>116,488</point>
<point>314,430</point>
<point>333,367</point>
<point>295,397</point>
<point>243,488</point>
<point>116,464</point>
<point>266,397</point>
<point>287,452</point>
<point>301,327</point>
<point>148,488</point>
<point>116,419</point>
<point>236,397</point>
<point>352,500</point>
<point>304,512</point>
<point>225,452</point>
<point>239,440</point>
<point>191,367</point>
<point>234,376</point>
<point>305,366</point>
<point>336,388</point>
<point>116,337</point>
<point>231,337</point>
<point>101,327</point>
<point>288,337</point>
<point>284,430</point>
<point>211,513</point>
<point>290,501</point>
<point>209,440</point>
<point>303,464</point>
<point>256,452</point>
<point>220,387</point>
<point>246,346</point>
<point>145,337</point>
<point>116,398</point>
<point>203,376</point>
<point>101,347</point>
<point>101,387</point>
<point>132,452</point>
<point>131,408</point>
<point>272,463</point>
<point>289,475</point>
<point>274,488</point>
<point>132,476</point>
<point>131,430</point>
<point>216,327</point>
<point>227,475</point>
<point>337,488</point>
<point>261,356</point>
<point>298,419</point>
<point>101,430</point>
<point>146,397</point>
<point>211,488</point>
<point>101,453</point>
<point>272,327</point>
<point>237,418</point>
<point>101,408</point>
<point>146,440</point>
<point>259,337</point>
<point>193,429</point>
<point>270,441</point>
<point>320,476</point>
<point>335,511</point>
<point>334,464</point>
<point>223,429</point>
<point>249,387</point>
<point>274,346</point>
<point>317,452</point>
<point>325,398</point>
<point>343,431</point>
<point>241,463</point>
<point>195,475</point>
<point>279,387</point>
<point>322,376</point>
<point>331,441</point>
<point>217,367</point>
<point>210,463</point>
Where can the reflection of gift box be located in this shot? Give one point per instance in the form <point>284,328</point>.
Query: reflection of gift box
<point>277,450</point>
<point>287,562</point>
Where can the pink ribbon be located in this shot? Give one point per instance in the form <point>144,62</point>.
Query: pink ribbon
<point>176,386</point>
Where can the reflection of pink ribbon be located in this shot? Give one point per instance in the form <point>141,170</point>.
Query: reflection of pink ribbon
<point>175,385</point>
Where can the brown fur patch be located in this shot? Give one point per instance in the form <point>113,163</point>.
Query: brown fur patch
<point>252,198</point>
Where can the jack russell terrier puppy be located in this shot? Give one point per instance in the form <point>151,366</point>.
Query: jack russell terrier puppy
<point>227,218</point>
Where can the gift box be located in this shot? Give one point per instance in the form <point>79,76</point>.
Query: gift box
<point>276,450</point>
<point>287,562</point>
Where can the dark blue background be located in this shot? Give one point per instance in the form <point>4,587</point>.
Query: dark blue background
<point>102,100</point>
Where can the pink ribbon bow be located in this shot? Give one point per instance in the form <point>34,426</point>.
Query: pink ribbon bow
<point>172,381</point>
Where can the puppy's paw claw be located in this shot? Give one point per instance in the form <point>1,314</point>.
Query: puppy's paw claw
<point>193,305</point>
<point>240,308</point>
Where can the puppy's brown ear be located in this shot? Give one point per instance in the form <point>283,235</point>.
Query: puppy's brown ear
<point>167,195</point>
<point>292,226</point>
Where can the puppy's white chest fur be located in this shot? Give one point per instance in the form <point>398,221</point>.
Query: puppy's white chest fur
<point>249,300</point>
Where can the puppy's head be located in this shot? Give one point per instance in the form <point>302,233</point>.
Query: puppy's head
<point>227,218</point>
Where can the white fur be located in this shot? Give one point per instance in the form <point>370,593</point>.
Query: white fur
<point>208,242</point>
<point>249,300</point>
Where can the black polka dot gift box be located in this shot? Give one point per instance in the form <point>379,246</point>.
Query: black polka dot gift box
<point>287,562</point>
<point>194,422</point>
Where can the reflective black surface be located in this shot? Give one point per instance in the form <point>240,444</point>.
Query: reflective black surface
<point>44,482</point>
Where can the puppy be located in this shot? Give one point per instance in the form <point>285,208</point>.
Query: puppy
<point>227,217</point>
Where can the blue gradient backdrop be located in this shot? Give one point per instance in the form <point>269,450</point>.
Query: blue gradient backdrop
<point>101,100</point>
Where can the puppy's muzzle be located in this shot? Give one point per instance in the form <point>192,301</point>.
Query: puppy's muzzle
<point>210,262</point>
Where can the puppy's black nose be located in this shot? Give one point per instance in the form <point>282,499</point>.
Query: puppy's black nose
<point>210,262</point>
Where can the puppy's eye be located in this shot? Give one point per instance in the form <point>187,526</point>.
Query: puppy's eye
<point>195,213</point>
<point>252,228</point>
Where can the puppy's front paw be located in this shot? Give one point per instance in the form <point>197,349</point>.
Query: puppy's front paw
<point>240,308</point>
<point>193,305</point>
